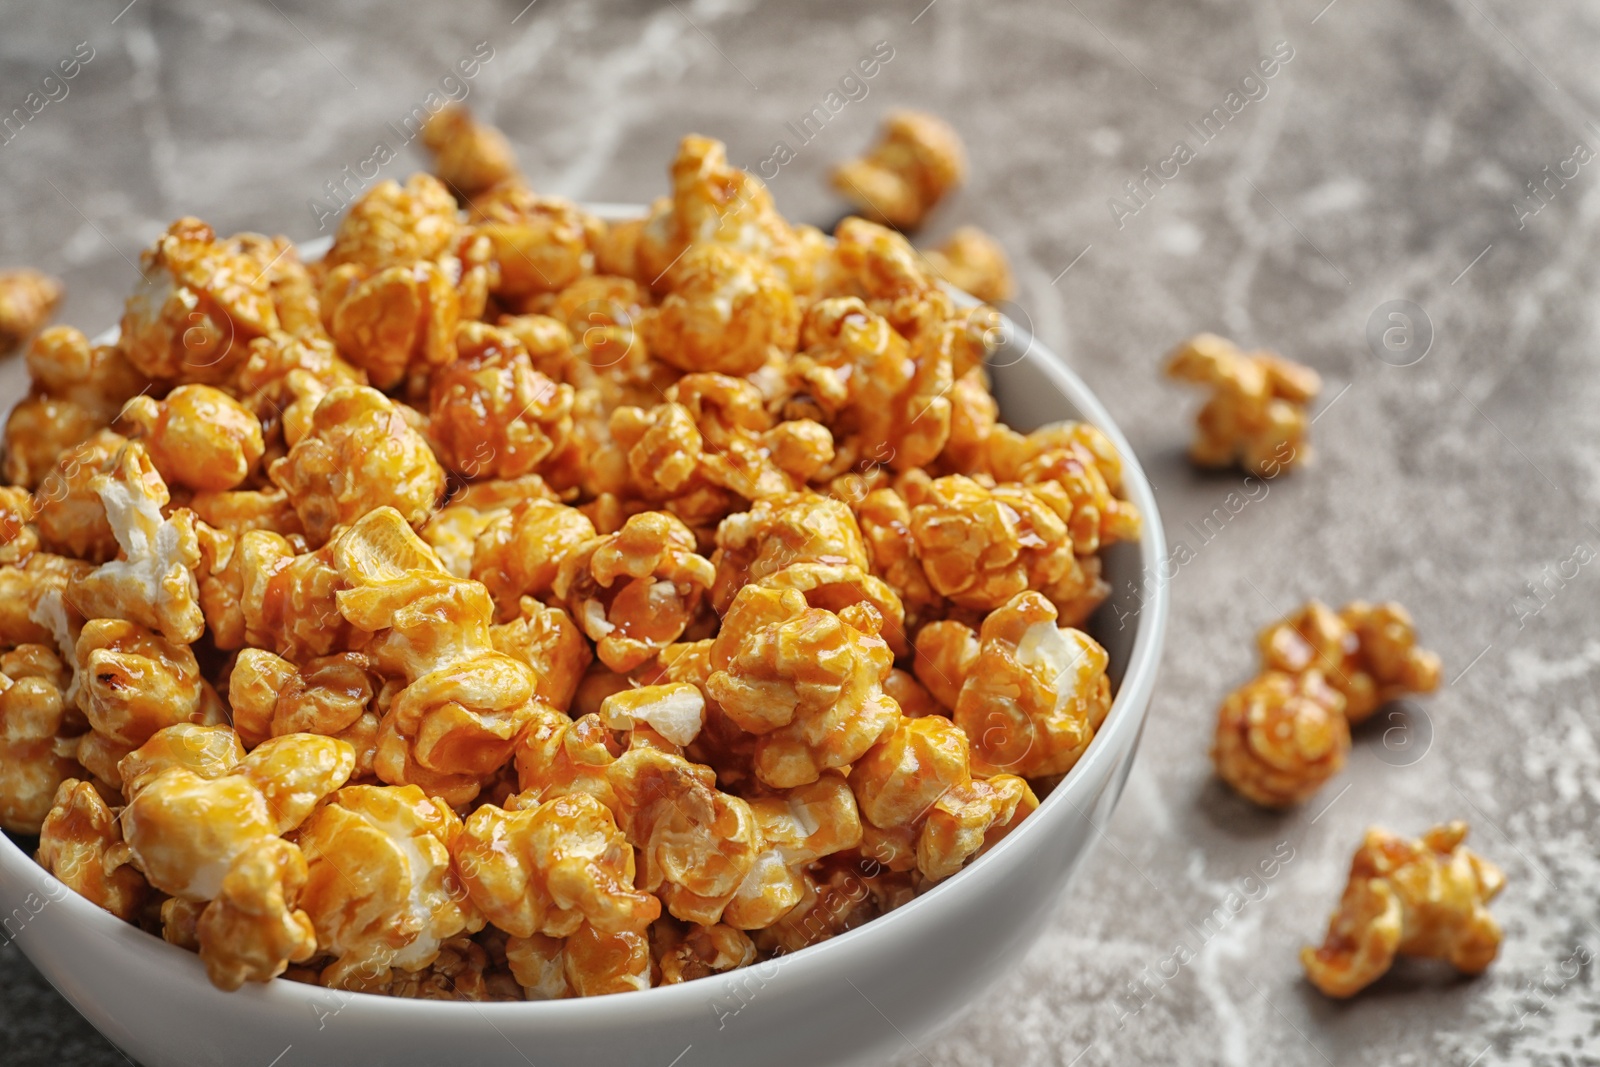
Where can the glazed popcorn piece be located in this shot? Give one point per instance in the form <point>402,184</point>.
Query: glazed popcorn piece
<point>675,710</point>
<point>68,512</point>
<point>918,160</point>
<point>807,681</point>
<point>131,684</point>
<point>198,437</point>
<point>454,529</point>
<point>1256,416</point>
<point>520,552</point>
<point>252,931</point>
<point>469,156</point>
<point>538,244</point>
<point>587,964</point>
<point>380,891</point>
<point>920,805</point>
<point>81,843</point>
<point>725,310</point>
<point>258,591</point>
<point>547,640</point>
<point>153,583</point>
<point>783,532</point>
<point>27,297</point>
<point>685,951</point>
<point>200,304</point>
<point>1075,469</point>
<point>1367,652</point>
<point>1408,898</point>
<point>974,262</point>
<point>634,592</point>
<point>395,226</point>
<point>77,388</point>
<point>1280,737</point>
<point>550,867</point>
<point>35,742</point>
<point>397,320</point>
<point>491,413</point>
<point>359,455</point>
<point>798,827</point>
<point>1036,693</point>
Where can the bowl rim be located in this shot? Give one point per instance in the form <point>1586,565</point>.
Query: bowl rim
<point>1125,717</point>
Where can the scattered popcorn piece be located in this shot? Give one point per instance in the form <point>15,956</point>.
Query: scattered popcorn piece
<point>1256,416</point>
<point>917,161</point>
<point>974,262</point>
<point>1367,652</point>
<point>1280,737</point>
<point>1408,898</point>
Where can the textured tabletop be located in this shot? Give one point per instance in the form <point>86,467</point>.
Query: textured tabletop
<point>1432,152</point>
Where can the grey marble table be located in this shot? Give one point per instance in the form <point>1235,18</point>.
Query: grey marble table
<point>1388,158</point>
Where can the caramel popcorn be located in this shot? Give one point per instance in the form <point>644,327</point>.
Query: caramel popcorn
<point>518,605</point>
<point>1426,898</point>
<point>27,297</point>
<point>918,160</point>
<point>1256,416</point>
<point>1281,736</point>
<point>469,156</point>
<point>973,261</point>
<point>1367,652</point>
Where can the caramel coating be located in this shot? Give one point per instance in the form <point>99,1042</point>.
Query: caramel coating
<point>77,388</point>
<point>1280,737</point>
<point>34,731</point>
<point>252,931</point>
<point>1426,898</point>
<point>974,262</point>
<point>396,226</point>
<point>1256,416</point>
<point>27,297</point>
<point>724,311</point>
<point>1367,652</point>
<point>917,161</point>
<point>491,413</point>
<point>808,682</point>
<point>81,843</point>
<point>198,437</point>
<point>521,551</point>
<point>1075,469</point>
<point>360,454</point>
<point>467,155</point>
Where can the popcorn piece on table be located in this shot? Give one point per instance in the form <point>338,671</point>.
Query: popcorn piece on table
<point>198,437</point>
<point>1367,652</point>
<point>635,591</point>
<point>918,160</point>
<point>381,892</point>
<point>1281,736</point>
<point>808,681</point>
<point>974,262</point>
<point>81,843</point>
<point>469,156</point>
<point>360,455</point>
<point>27,297</point>
<point>1256,416</point>
<point>35,736</point>
<point>1425,898</point>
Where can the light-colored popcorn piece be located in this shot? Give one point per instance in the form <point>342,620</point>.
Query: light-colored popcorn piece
<point>186,822</point>
<point>1367,652</point>
<point>468,156</point>
<point>686,951</point>
<point>492,414</point>
<point>974,262</point>
<point>252,931</point>
<point>201,302</point>
<point>808,681</point>
<point>634,592</point>
<point>27,297</point>
<point>714,203</point>
<point>724,311</point>
<point>521,551</point>
<point>35,736</point>
<point>396,226</point>
<point>198,437</point>
<point>81,844</point>
<point>550,867</point>
<point>1257,415</point>
<point>798,827</point>
<point>1426,898</point>
<point>153,583</point>
<point>381,892</point>
<point>675,710</point>
<point>917,160</point>
<point>360,455</point>
<point>1280,737</point>
<point>1037,692</point>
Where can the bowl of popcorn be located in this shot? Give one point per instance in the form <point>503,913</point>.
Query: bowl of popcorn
<point>409,642</point>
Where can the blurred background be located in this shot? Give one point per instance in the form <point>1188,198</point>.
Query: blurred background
<point>1413,159</point>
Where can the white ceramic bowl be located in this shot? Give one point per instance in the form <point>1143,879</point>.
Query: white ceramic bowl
<point>855,999</point>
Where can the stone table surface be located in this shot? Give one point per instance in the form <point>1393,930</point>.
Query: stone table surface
<point>1389,158</point>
